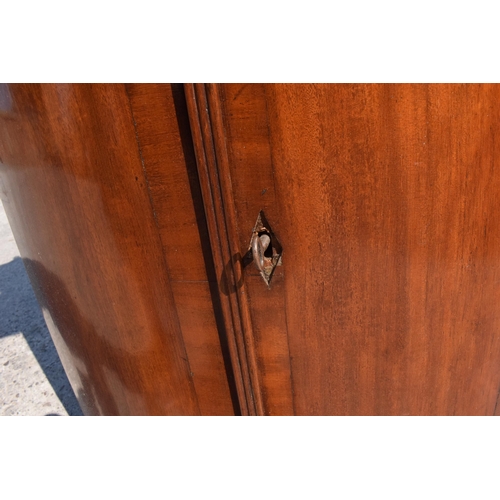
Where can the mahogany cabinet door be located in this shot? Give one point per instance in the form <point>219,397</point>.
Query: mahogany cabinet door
<point>385,200</point>
<point>100,186</point>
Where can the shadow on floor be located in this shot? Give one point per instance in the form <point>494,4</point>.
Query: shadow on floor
<point>19,312</point>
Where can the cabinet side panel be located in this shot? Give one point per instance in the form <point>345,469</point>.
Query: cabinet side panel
<point>76,196</point>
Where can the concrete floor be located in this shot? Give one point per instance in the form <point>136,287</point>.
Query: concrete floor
<point>32,379</point>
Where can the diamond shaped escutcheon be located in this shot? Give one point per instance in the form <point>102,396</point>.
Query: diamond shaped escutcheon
<point>265,250</point>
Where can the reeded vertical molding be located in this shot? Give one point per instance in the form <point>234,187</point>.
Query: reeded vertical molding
<point>209,142</point>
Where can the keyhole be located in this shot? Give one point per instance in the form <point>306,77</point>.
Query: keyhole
<point>266,244</point>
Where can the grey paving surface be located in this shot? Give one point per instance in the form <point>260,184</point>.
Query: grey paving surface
<point>32,379</point>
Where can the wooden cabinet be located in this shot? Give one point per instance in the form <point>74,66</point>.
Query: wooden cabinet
<point>134,207</point>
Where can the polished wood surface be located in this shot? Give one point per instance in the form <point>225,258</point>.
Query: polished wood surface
<point>134,206</point>
<point>226,262</point>
<point>384,198</point>
<point>245,158</point>
<point>95,186</point>
<point>167,153</point>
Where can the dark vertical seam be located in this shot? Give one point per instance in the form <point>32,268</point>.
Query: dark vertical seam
<point>216,157</point>
<point>209,206</point>
<point>155,217</point>
<point>180,104</point>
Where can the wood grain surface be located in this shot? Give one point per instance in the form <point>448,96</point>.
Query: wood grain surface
<point>111,244</point>
<point>384,198</point>
<point>168,158</point>
<point>219,212</point>
<point>239,121</point>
